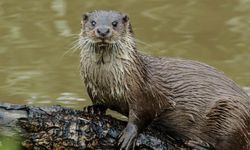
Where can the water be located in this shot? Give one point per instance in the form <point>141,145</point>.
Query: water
<point>35,36</point>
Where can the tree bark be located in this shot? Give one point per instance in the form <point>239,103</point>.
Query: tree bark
<point>56,127</point>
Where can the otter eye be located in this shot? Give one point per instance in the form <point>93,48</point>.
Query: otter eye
<point>114,23</point>
<point>93,23</point>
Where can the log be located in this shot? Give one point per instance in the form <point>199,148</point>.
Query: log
<point>56,127</point>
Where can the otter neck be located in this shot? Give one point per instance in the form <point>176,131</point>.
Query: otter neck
<point>109,68</point>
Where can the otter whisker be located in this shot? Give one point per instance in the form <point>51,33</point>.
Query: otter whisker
<point>76,35</point>
<point>73,48</point>
<point>85,43</point>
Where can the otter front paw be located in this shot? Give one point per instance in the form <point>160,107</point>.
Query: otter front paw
<point>95,109</point>
<point>127,138</point>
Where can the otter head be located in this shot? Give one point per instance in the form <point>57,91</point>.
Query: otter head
<point>105,28</point>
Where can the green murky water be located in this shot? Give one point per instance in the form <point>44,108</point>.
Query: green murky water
<point>35,36</point>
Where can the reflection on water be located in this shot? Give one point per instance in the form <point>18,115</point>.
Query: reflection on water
<point>35,35</point>
<point>67,99</point>
<point>59,7</point>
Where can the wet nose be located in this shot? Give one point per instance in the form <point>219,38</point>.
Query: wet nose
<point>103,32</point>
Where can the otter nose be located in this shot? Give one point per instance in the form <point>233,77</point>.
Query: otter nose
<point>103,32</point>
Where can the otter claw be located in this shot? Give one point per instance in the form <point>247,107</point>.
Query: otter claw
<point>127,138</point>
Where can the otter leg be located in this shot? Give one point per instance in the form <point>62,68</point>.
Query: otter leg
<point>127,138</point>
<point>95,109</point>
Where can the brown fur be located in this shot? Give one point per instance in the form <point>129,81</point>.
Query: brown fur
<point>188,100</point>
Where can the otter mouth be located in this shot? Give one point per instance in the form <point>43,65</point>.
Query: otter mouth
<point>102,43</point>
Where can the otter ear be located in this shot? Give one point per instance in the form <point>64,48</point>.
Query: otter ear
<point>125,18</point>
<point>85,16</point>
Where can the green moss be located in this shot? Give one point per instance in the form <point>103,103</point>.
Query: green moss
<point>9,143</point>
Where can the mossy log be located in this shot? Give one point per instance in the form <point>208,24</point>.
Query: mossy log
<point>56,127</point>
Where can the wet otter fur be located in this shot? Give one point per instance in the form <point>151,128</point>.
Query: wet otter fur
<point>188,100</point>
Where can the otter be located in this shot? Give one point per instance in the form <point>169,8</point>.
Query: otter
<point>187,100</point>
